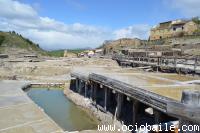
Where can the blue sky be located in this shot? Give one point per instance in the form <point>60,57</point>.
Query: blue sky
<point>108,13</point>
<point>56,24</point>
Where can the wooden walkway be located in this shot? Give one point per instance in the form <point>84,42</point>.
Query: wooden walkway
<point>161,92</point>
<point>173,64</point>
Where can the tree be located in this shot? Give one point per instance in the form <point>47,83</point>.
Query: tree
<point>196,20</point>
<point>1,39</point>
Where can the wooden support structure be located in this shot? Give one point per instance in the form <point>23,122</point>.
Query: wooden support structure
<point>80,87</point>
<point>119,104</point>
<point>158,116</point>
<point>91,91</point>
<point>175,62</point>
<point>106,98</point>
<point>195,64</point>
<point>135,111</point>
<point>187,111</point>
<point>190,99</point>
<point>86,89</point>
<point>77,84</point>
<point>95,87</point>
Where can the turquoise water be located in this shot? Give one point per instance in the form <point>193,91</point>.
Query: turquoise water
<point>66,114</point>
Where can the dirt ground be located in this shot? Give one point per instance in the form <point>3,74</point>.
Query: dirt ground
<point>47,70</point>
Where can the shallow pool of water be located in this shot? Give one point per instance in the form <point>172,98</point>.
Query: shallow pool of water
<point>66,114</point>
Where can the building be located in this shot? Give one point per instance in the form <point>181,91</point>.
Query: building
<point>176,28</point>
<point>90,53</point>
<point>98,51</point>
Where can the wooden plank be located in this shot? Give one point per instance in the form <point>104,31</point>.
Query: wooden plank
<point>184,111</point>
<point>144,96</point>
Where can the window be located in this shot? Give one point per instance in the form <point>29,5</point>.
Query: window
<point>174,29</point>
<point>182,28</point>
<point>160,37</point>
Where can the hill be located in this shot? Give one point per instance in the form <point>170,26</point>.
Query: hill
<point>13,44</point>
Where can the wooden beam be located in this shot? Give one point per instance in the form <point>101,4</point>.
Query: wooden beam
<point>86,89</point>
<point>189,110</point>
<point>120,99</point>
<point>106,98</point>
<point>77,84</point>
<point>135,111</point>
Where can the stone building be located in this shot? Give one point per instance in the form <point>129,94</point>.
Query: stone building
<point>176,28</point>
<point>116,46</point>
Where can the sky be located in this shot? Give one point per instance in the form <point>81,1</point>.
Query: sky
<point>69,24</point>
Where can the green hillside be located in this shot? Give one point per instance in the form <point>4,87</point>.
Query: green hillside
<point>15,40</point>
<point>60,53</point>
<point>56,53</point>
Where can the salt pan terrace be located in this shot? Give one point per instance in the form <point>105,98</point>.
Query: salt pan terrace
<point>131,93</point>
<point>19,114</point>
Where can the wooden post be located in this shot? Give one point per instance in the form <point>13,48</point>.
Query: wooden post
<point>175,62</point>
<point>86,89</point>
<point>80,87</point>
<point>191,99</point>
<point>161,61</point>
<point>158,116</point>
<point>119,104</point>
<point>107,98</point>
<point>135,111</point>
<point>95,93</point>
<point>195,64</point>
<point>158,63</point>
<point>91,90</point>
<point>77,82</point>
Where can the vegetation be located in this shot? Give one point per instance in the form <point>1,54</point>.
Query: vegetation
<point>1,39</point>
<point>14,40</point>
<point>60,53</point>
<point>56,53</point>
<point>196,20</point>
<point>76,51</point>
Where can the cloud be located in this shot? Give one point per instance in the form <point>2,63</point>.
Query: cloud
<point>134,31</point>
<point>188,8</point>
<point>16,10</point>
<point>53,34</point>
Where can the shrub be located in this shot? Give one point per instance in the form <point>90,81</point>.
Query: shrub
<point>1,39</point>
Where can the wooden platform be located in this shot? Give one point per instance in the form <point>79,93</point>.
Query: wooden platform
<point>157,90</point>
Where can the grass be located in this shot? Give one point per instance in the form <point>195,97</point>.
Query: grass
<point>15,40</point>
<point>60,53</point>
<point>76,51</point>
<point>56,53</point>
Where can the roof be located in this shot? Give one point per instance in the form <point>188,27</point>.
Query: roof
<point>168,24</point>
<point>164,25</point>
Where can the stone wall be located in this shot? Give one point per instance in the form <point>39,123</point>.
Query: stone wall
<point>188,28</point>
